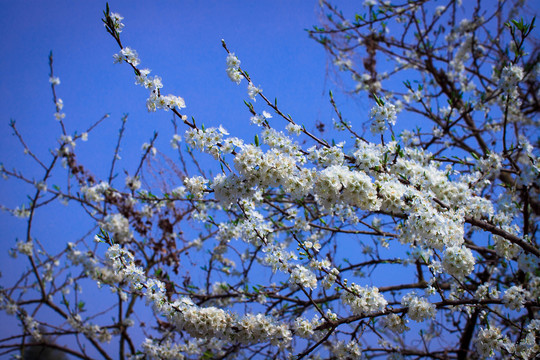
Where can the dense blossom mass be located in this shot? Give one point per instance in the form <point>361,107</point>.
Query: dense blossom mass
<point>391,242</point>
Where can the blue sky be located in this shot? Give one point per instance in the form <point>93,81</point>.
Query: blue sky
<point>179,41</point>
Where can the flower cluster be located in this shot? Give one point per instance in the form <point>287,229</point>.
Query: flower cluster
<point>458,261</point>
<point>363,300</point>
<point>382,114</point>
<point>117,21</point>
<point>514,297</point>
<point>419,309</point>
<point>119,226</point>
<point>195,185</point>
<point>25,247</point>
<point>233,68</point>
<point>200,322</point>
<point>510,77</point>
<point>306,328</point>
<point>396,323</point>
<point>7,304</point>
<point>253,91</point>
<point>338,184</point>
<point>208,140</point>
<point>156,100</point>
<point>96,192</point>
<point>91,331</point>
<point>303,277</point>
<point>128,55</point>
<point>488,341</point>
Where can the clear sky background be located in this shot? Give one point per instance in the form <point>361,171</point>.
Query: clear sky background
<point>179,41</point>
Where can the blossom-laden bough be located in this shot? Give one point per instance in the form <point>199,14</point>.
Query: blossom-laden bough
<point>307,235</point>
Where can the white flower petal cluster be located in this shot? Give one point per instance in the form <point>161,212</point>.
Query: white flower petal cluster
<point>367,155</point>
<point>128,55</point>
<point>233,66</point>
<point>200,322</point>
<point>302,276</point>
<point>487,291</point>
<point>117,21</point>
<point>254,228</point>
<point>229,189</point>
<point>164,102</point>
<point>279,141</point>
<point>431,227</point>
<point>54,80</point>
<point>529,347</point>
<point>490,165</point>
<point>91,331</point>
<point>207,140</point>
<point>103,274</point>
<point>330,278</point>
<point>326,156</point>
<point>167,350</point>
<point>156,100</point>
<point>21,212</point>
<point>342,350</point>
<point>277,257</point>
<point>382,114</point>
<point>133,183</point>
<point>250,329</point>
<point>25,247</point>
<point>7,304</point>
<point>119,226</point>
<point>95,193</point>
<point>458,261</point>
<point>253,91</point>
<point>419,309</point>
<point>273,168</point>
<point>504,247</point>
<point>306,328</point>
<point>259,119</point>
<point>514,297</point>
<point>488,341</point>
<point>31,326</point>
<point>363,300</point>
<point>196,186</point>
<point>294,129</point>
<point>510,76</point>
<point>392,193</point>
<point>338,184</point>
<point>396,323</point>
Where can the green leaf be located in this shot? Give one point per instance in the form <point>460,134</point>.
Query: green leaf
<point>208,355</point>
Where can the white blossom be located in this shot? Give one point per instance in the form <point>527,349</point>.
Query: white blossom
<point>419,309</point>
<point>363,300</point>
